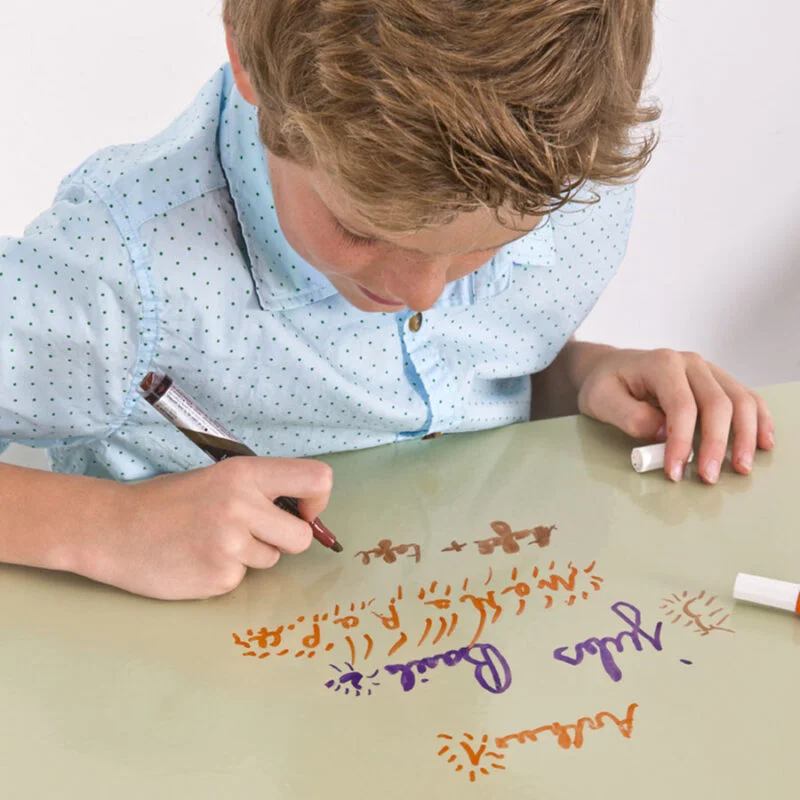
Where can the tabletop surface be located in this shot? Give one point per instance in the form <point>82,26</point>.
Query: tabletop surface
<point>516,613</point>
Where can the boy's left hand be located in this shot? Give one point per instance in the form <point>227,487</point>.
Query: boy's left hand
<point>658,394</point>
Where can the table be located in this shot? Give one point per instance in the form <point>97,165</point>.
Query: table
<point>516,613</point>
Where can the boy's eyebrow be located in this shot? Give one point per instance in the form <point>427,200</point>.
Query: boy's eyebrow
<point>415,250</point>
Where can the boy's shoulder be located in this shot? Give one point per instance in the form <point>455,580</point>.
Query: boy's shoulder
<point>144,180</point>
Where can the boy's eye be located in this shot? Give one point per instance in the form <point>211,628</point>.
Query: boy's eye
<point>351,238</point>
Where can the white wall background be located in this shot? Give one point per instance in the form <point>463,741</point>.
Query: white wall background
<point>713,260</point>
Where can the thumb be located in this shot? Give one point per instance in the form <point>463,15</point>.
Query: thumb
<point>638,418</point>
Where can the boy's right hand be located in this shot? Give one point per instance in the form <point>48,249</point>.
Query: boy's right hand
<point>194,534</point>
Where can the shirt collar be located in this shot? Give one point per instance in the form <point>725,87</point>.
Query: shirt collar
<point>283,279</point>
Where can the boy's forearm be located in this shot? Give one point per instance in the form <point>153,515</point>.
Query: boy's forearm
<point>50,520</point>
<point>554,391</point>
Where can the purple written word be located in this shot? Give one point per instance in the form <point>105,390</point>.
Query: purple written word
<point>491,669</point>
<point>633,617</point>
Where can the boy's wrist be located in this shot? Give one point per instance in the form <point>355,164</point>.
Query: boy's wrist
<point>554,391</point>
<point>580,358</point>
<point>89,545</point>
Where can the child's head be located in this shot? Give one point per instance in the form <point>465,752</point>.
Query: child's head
<point>445,127</point>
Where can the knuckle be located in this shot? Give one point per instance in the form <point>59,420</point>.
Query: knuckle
<point>229,547</point>
<point>668,357</point>
<point>745,403</point>
<point>720,405</point>
<point>236,469</point>
<point>304,539</point>
<point>322,477</point>
<point>300,539</point>
<point>639,424</point>
<point>229,581</point>
<point>692,359</point>
<point>685,408</point>
<point>230,508</point>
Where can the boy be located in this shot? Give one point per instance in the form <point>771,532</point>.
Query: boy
<point>382,220</point>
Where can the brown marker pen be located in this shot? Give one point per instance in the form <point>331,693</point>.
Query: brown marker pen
<point>161,392</point>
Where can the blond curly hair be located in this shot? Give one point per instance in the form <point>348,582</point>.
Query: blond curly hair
<point>421,109</point>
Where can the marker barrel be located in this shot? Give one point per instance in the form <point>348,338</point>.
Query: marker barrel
<point>767,592</point>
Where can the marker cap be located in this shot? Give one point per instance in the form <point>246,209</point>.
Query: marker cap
<point>650,457</point>
<point>766,591</point>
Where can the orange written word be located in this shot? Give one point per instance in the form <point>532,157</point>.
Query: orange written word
<point>472,755</point>
<point>368,629</point>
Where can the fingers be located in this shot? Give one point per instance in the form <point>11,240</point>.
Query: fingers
<point>281,530</point>
<point>724,406</point>
<point>752,424</point>
<point>716,413</point>
<point>638,418</point>
<point>307,480</point>
<point>683,386</point>
<point>766,426</point>
<point>258,555</point>
<point>676,397</point>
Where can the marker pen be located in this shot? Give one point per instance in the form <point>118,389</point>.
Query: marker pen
<point>212,438</point>
<point>767,592</point>
<point>650,457</point>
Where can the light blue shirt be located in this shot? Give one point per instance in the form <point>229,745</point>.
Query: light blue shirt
<point>168,255</point>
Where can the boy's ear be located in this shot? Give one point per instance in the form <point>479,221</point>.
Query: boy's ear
<point>239,73</point>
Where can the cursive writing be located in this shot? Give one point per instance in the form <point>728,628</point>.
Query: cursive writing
<point>633,617</point>
<point>492,671</point>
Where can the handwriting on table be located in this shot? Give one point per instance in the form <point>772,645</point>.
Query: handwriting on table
<point>471,755</point>
<point>633,617</point>
<point>492,671</point>
<point>361,625</point>
<point>698,612</point>
<point>351,680</point>
<point>388,552</point>
<point>506,539</point>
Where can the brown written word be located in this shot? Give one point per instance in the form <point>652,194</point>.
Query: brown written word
<point>698,611</point>
<point>389,553</point>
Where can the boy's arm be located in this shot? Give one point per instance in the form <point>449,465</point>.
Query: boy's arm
<point>45,517</point>
<point>188,535</point>
<point>554,390</point>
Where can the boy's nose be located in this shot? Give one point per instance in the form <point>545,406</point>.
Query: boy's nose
<point>419,284</point>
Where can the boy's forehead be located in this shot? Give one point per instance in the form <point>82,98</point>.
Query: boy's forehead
<point>469,231</point>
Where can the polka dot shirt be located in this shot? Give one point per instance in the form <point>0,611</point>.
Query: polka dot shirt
<point>168,255</point>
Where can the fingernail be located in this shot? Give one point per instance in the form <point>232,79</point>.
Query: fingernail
<point>712,471</point>
<point>662,432</point>
<point>746,461</point>
<point>676,471</point>
<point>770,438</point>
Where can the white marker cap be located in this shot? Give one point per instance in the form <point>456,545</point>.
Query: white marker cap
<point>650,457</point>
<point>766,591</point>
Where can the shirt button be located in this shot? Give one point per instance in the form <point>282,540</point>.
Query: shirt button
<point>415,323</point>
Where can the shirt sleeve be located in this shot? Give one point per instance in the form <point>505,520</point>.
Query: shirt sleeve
<point>69,317</point>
